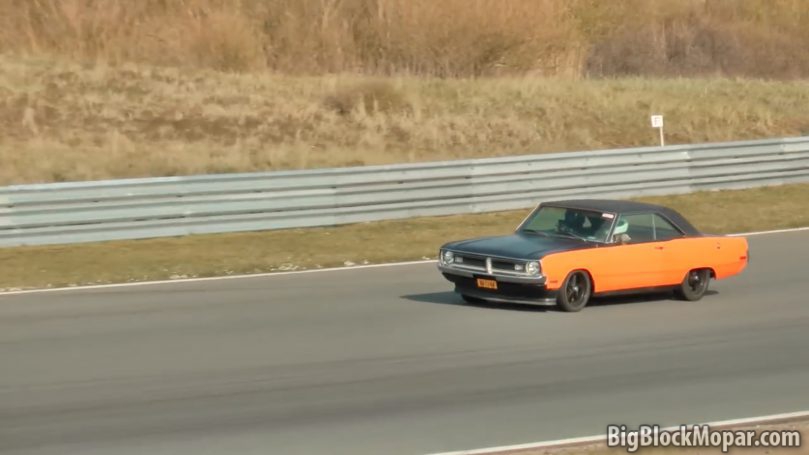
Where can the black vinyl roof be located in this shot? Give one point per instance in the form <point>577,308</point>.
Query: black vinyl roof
<point>628,207</point>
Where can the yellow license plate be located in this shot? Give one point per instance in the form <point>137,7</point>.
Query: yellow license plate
<point>487,284</point>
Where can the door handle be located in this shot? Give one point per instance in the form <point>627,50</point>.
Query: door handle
<point>658,247</point>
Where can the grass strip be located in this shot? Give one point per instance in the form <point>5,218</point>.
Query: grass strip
<point>368,243</point>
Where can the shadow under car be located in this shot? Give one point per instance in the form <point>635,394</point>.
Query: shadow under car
<point>453,298</point>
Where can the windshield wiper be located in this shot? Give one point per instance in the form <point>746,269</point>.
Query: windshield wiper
<point>572,236</point>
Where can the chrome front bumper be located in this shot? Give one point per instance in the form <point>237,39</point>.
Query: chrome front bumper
<point>538,280</point>
<point>511,289</point>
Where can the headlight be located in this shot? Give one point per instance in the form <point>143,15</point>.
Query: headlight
<point>447,257</point>
<point>532,268</point>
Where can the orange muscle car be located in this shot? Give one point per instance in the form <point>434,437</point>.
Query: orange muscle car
<point>564,252</point>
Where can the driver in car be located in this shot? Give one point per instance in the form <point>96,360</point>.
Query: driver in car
<point>573,223</point>
<point>619,235</point>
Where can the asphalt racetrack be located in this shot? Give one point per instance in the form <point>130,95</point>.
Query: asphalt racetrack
<point>388,361</point>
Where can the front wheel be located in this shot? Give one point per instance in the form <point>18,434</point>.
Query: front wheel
<point>575,292</point>
<point>694,285</point>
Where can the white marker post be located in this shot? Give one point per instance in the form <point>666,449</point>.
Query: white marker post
<point>657,122</point>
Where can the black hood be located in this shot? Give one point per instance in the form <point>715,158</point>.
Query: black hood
<point>518,246</point>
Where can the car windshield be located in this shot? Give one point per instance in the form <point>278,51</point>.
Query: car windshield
<point>567,222</point>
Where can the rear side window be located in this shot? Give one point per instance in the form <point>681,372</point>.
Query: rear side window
<point>664,230</point>
<point>649,227</point>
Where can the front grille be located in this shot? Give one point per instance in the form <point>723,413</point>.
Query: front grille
<point>478,263</point>
<point>473,261</point>
<point>503,265</point>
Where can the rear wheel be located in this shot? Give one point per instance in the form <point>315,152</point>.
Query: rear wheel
<point>575,292</point>
<point>694,285</point>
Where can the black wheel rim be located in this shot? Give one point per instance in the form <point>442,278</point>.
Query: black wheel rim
<point>697,281</point>
<point>576,290</point>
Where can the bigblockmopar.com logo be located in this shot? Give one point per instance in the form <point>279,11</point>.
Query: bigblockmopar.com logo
<point>698,436</point>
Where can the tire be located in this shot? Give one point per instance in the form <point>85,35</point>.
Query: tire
<point>694,285</point>
<point>575,292</point>
<point>470,299</point>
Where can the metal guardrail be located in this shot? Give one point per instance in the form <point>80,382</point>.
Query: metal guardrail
<point>175,206</point>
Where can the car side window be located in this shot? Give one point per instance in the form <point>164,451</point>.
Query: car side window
<point>640,228</point>
<point>663,230</point>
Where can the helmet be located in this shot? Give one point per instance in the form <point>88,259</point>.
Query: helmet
<point>621,227</point>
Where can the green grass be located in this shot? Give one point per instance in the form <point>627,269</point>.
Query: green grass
<point>373,243</point>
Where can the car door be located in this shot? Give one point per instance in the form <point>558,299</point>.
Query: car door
<point>638,263</point>
<point>671,243</point>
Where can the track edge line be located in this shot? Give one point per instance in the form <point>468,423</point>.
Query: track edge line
<point>559,443</point>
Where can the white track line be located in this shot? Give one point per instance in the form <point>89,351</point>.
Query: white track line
<point>273,274</point>
<point>594,439</point>
<point>779,231</point>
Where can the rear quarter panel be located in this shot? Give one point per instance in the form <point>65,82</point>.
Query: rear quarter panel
<point>726,256</point>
